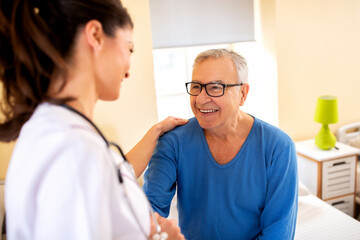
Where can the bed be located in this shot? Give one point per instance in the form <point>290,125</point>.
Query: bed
<point>316,219</point>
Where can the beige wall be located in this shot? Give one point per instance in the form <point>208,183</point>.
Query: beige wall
<point>318,52</point>
<point>265,25</point>
<point>5,150</point>
<point>5,153</point>
<point>124,121</point>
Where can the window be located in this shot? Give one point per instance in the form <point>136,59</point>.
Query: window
<point>173,67</point>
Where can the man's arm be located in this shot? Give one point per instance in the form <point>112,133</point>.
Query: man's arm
<point>278,219</point>
<point>160,177</point>
<point>139,156</point>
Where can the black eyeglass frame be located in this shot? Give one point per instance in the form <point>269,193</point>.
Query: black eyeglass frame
<point>212,83</point>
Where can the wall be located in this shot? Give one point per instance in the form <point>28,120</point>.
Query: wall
<point>318,52</point>
<point>5,153</point>
<point>124,121</point>
<point>5,150</point>
<point>265,28</point>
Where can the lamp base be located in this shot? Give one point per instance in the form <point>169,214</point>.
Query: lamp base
<point>325,139</point>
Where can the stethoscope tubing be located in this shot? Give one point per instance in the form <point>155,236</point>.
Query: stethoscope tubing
<point>120,177</point>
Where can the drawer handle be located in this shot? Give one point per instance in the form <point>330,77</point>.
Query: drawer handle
<point>339,163</point>
<point>337,203</point>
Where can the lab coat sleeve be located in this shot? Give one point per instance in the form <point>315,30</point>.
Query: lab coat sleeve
<point>160,177</point>
<point>278,219</point>
<point>82,195</point>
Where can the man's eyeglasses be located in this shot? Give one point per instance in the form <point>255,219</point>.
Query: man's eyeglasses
<point>212,89</point>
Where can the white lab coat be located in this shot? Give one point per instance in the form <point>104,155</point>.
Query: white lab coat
<point>62,183</point>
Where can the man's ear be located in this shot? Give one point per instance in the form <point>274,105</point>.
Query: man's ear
<point>94,34</point>
<point>244,92</point>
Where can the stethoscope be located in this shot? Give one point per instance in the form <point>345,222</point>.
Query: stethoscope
<point>158,235</point>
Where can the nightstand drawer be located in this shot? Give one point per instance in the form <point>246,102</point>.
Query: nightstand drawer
<point>338,177</point>
<point>344,204</point>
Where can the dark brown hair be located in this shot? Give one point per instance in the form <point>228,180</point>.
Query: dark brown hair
<point>36,39</point>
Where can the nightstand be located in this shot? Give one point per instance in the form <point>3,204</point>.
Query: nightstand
<point>329,175</point>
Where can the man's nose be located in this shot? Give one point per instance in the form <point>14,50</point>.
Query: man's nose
<point>203,96</point>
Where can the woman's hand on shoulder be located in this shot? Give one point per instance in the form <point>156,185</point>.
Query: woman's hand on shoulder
<point>170,123</point>
<point>139,156</point>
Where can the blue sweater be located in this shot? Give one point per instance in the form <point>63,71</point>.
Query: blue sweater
<point>254,196</point>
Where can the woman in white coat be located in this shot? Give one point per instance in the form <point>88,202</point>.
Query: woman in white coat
<point>65,181</point>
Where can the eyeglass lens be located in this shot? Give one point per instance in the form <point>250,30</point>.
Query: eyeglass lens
<point>212,89</point>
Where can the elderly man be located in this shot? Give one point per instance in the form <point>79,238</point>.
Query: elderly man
<point>236,176</point>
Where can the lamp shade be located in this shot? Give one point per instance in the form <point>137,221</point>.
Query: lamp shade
<point>326,110</point>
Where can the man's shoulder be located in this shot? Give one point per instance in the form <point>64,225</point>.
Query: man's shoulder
<point>187,128</point>
<point>272,132</point>
<point>274,141</point>
<point>183,133</point>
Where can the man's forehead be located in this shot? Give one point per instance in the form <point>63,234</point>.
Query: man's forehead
<point>223,65</point>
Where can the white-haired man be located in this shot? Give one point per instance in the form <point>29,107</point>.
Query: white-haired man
<point>236,175</point>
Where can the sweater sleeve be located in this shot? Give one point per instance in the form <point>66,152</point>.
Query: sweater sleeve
<point>278,219</point>
<point>160,177</point>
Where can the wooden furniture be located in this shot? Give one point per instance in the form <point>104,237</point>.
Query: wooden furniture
<point>329,175</point>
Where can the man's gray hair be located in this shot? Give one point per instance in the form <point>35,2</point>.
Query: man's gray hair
<point>239,61</point>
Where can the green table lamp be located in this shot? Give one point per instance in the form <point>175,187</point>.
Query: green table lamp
<point>326,113</point>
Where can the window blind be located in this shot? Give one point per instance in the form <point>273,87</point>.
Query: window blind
<point>177,23</point>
